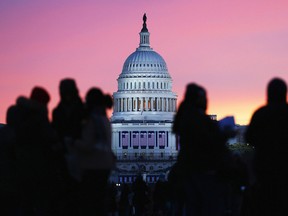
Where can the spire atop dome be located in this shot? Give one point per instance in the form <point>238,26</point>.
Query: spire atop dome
<point>144,34</point>
<point>144,28</point>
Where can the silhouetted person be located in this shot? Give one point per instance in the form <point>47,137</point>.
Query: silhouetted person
<point>67,120</point>
<point>125,202</point>
<point>268,133</point>
<point>160,198</point>
<point>112,199</point>
<point>202,154</point>
<point>68,115</point>
<point>238,177</point>
<point>95,154</point>
<point>176,180</point>
<point>140,198</point>
<point>34,154</point>
<point>9,204</point>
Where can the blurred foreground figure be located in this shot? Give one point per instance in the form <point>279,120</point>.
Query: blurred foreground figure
<point>68,115</point>
<point>95,155</point>
<point>197,187</point>
<point>140,198</point>
<point>33,153</point>
<point>9,204</point>
<point>67,120</point>
<point>268,133</point>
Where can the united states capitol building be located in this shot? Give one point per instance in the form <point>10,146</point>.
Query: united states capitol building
<point>144,109</point>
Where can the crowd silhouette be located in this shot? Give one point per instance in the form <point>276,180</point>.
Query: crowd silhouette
<point>62,167</point>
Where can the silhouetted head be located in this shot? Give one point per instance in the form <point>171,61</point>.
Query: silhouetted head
<point>196,96</point>
<point>96,99</point>
<point>11,116</point>
<point>68,90</point>
<point>277,91</point>
<point>40,95</point>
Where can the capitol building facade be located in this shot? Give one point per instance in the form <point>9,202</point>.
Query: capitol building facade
<point>144,109</point>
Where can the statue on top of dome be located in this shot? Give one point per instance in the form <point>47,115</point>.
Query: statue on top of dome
<point>144,29</point>
<point>144,18</point>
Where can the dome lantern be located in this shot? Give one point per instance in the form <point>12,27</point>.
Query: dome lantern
<point>144,34</point>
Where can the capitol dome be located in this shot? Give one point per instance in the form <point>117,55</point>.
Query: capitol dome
<point>144,61</point>
<point>144,85</point>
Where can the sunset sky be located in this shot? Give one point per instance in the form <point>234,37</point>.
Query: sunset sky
<point>232,48</point>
